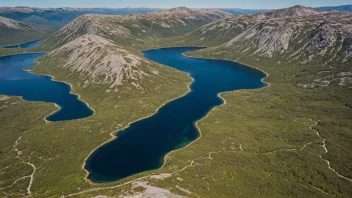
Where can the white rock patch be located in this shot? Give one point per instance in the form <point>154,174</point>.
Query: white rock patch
<point>99,61</point>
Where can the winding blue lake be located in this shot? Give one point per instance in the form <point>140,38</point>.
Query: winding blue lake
<point>143,145</point>
<point>29,44</point>
<point>15,81</point>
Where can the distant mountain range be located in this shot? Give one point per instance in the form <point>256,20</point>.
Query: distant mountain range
<point>342,8</point>
<point>132,28</point>
<point>55,18</point>
<point>244,11</point>
<point>58,17</point>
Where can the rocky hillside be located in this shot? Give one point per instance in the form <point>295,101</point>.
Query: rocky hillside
<point>13,32</point>
<point>323,39</point>
<point>229,27</point>
<point>244,11</point>
<point>291,12</point>
<point>16,25</point>
<point>132,29</point>
<point>98,61</point>
<point>220,31</point>
<point>303,39</point>
<point>105,50</point>
<point>182,12</point>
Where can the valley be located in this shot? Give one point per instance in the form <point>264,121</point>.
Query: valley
<point>290,139</point>
<point>15,32</point>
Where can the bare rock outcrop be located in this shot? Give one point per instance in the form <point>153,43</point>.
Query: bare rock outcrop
<point>137,27</point>
<point>98,61</point>
<point>322,35</point>
<point>294,11</point>
<point>13,24</point>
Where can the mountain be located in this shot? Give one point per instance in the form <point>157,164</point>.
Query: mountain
<point>58,17</point>
<point>12,24</point>
<point>12,32</point>
<point>98,61</point>
<point>219,31</point>
<point>229,27</point>
<point>291,12</point>
<point>180,12</point>
<point>298,34</point>
<point>299,39</point>
<point>244,11</point>
<point>342,8</point>
<point>104,50</point>
<point>133,30</point>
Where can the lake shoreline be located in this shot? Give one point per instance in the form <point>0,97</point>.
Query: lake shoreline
<point>19,44</point>
<point>115,134</point>
<point>27,69</point>
<point>219,95</point>
<point>71,91</point>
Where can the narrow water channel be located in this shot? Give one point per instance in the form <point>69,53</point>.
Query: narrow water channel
<point>29,44</point>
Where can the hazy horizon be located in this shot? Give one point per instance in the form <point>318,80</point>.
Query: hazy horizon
<point>254,4</point>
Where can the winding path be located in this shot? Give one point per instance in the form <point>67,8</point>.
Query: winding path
<point>31,176</point>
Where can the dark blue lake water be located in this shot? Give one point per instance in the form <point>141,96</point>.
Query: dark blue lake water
<point>143,145</point>
<point>15,81</point>
<point>29,44</point>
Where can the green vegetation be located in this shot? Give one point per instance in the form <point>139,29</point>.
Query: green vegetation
<point>59,149</point>
<point>14,36</point>
<point>10,51</point>
<point>264,143</point>
<point>271,142</point>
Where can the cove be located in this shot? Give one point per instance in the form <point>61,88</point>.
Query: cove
<point>15,81</point>
<point>143,145</point>
<point>29,44</point>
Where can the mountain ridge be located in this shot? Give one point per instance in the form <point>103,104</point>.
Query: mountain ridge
<point>13,32</point>
<point>307,36</point>
<point>98,61</point>
<point>55,18</point>
<point>135,29</point>
<point>293,11</point>
<point>103,49</point>
<point>13,24</point>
